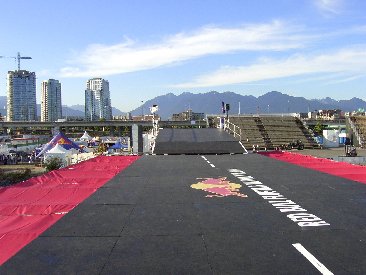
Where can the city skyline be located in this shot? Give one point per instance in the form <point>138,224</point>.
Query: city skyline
<point>21,96</point>
<point>51,103</point>
<point>313,48</point>
<point>97,100</point>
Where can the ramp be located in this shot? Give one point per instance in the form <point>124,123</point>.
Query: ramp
<point>178,214</point>
<point>196,141</point>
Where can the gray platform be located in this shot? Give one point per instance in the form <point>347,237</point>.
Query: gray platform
<point>148,220</point>
<point>196,141</point>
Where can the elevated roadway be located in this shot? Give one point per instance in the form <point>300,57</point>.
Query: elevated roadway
<point>106,123</point>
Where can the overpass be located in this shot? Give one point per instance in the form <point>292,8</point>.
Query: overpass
<point>115,127</point>
<point>86,124</point>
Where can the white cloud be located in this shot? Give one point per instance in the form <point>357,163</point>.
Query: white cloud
<point>329,6</point>
<point>103,60</point>
<point>346,79</point>
<point>350,62</point>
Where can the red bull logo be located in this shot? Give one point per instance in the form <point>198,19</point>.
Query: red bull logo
<point>219,187</point>
<point>63,141</point>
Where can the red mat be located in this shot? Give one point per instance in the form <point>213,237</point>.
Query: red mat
<point>340,169</point>
<point>28,208</point>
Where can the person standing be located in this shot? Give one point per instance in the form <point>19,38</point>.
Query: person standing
<point>347,145</point>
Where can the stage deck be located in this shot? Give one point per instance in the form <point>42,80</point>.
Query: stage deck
<point>196,141</point>
<point>191,214</point>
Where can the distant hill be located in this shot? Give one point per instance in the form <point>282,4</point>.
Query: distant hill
<point>81,108</point>
<point>210,103</point>
<point>78,107</point>
<point>272,102</point>
<point>67,111</point>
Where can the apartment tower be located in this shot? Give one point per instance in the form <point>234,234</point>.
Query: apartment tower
<point>21,96</point>
<point>51,108</point>
<point>97,100</point>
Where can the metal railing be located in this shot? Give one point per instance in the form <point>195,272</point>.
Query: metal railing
<point>355,130</point>
<point>233,129</point>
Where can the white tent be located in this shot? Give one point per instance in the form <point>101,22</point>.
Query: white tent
<point>59,152</point>
<point>86,137</point>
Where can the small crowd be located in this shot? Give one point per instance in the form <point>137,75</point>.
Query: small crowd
<point>15,158</point>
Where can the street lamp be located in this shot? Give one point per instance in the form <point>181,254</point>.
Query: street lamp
<point>142,109</point>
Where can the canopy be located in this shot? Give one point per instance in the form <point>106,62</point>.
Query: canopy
<point>60,139</point>
<point>58,149</point>
<point>118,145</point>
<point>86,137</point>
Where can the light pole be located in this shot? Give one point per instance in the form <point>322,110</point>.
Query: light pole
<point>142,109</point>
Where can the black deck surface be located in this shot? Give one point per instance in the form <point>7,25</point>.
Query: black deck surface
<point>148,220</point>
<point>196,141</point>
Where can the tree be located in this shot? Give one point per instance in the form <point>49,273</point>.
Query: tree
<point>318,128</point>
<point>101,148</point>
<point>9,178</point>
<point>53,163</point>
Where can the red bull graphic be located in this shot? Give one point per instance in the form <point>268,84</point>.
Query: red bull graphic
<point>219,187</point>
<point>63,141</point>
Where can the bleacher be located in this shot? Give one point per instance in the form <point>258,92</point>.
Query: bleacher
<point>250,134</point>
<point>271,131</point>
<point>360,124</point>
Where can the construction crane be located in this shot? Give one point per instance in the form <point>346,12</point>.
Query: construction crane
<point>18,57</point>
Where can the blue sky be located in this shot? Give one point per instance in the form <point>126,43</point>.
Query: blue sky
<point>309,48</point>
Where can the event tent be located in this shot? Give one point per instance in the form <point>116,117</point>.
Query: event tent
<point>86,137</point>
<point>62,140</point>
<point>118,145</point>
<point>58,151</point>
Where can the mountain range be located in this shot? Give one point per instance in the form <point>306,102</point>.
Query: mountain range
<point>211,103</point>
<point>271,102</point>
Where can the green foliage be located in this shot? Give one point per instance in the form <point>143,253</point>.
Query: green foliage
<point>318,128</point>
<point>101,148</point>
<point>10,178</point>
<point>53,163</point>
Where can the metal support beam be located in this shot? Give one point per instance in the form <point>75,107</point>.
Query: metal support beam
<point>137,142</point>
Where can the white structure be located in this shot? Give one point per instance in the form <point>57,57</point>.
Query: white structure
<point>21,96</point>
<point>86,137</point>
<point>51,108</point>
<point>330,138</point>
<point>97,100</point>
<point>59,152</point>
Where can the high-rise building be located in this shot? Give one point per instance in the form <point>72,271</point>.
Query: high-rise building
<point>51,108</point>
<point>21,96</point>
<point>97,100</point>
